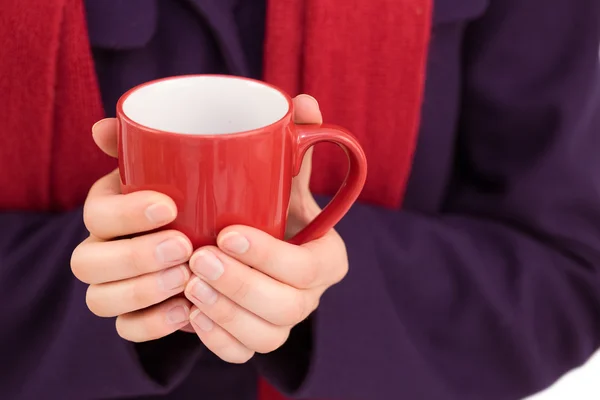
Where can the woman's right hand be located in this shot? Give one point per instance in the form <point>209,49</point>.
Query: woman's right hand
<point>134,279</point>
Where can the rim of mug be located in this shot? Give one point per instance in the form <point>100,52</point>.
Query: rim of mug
<point>263,129</point>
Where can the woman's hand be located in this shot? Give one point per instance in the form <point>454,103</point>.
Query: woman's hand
<point>238,309</point>
<point>135,280</point>
<point>251,289</point>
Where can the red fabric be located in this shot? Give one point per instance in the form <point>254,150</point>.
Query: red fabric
<point>49,99</point>
<point>364,61</point>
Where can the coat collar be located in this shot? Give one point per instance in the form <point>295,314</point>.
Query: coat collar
<point>131,24</point>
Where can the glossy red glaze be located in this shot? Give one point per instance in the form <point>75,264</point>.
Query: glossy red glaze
<point>239,178</point>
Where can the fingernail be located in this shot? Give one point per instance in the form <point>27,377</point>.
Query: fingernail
<point>176,249</point>
<point>178,314</point>
<point>203,292</point>
<point>160,213</point>
<point>206,264</point>
<point>234,243</point>
<point>202,321</point>
<point>173,278</point>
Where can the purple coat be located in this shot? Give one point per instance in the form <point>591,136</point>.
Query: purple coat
<point>487,281</point>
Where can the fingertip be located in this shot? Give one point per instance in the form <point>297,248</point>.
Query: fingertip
<point>154,322</point>
<point>104,133</point>
<point>108,215</point>
<point>238,239</point>
<point>194,311</point>
<point>202,251</point>
<point>308,100</point>
<point>238,229</point>
<point>160,212</point>
<point>307,110</point>
<point>102,123</point>
<point>103,127</point>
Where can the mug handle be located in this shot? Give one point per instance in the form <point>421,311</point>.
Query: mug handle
<point>306,137</point>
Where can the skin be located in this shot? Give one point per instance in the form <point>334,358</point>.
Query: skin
<point>240,297</point>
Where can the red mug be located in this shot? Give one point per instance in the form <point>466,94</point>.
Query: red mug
<point>225,149</point>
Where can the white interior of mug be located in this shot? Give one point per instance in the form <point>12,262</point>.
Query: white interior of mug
<point>205,105</point>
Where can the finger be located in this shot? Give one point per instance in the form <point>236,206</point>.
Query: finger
<point>306,110</point>
<point>276,302</point>
<point>95,261</point>
<point>253,332</point>
<point>294,265</point>
<point>116,298</point>
<point>109,184</point>
<point>303,207</point>
<point>154,322</point>
<point>188,328</point>
<point>217,340</point>
<point>108,214</point>
<point>104,133</point>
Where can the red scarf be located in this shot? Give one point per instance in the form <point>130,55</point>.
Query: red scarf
<point>363,60</point>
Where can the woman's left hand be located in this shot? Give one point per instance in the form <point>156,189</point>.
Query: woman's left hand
<point>251,289</point>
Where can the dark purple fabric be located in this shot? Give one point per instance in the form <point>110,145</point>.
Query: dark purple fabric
<point>485,286</point>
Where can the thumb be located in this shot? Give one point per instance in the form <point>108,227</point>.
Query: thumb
<point>303,207</point>
<point>104,133</point>
<point>306,110</point>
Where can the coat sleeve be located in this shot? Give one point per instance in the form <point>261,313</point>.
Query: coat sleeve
<point>50,344</point>
<point>499,294</point>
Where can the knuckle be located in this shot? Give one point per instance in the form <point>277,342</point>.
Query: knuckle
<point>78,264</point>
<point>94,301</point>
<point>89,213</point>
<point>273,342</point>
<point>138,295</point>
<point>293,310</point>
<point>238,357</point>
<point>240,291</point>
<point>133,328</point>
<point>105,216</point>
<point>121,220</point>
<point>134,257</point>
<point>123,327</point>
<point>309,276</point>
<point>340,272</point>
<point>227,348</point>
<point>101,218</point>
<point>226,313</point>
<point>245,357</point>
<point>127,218</point>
